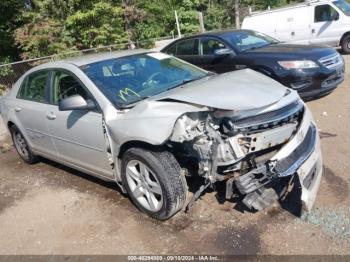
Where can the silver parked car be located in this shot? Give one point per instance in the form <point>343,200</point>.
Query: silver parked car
<point>146,120</point>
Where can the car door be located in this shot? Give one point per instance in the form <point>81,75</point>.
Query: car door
<point>186,49</point>
<point>300,24</point>
<point>324,29</point>
<point>212,60</point>
<point>77,134</point>
<point>31,107</point>
<point>282,24</point>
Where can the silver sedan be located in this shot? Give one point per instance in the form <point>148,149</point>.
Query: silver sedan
<point>147,120</point>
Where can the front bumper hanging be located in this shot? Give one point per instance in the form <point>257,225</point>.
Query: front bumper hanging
<point>299,159</point>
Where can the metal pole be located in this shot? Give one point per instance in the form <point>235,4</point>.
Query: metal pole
<point>238,24</point>
<point>201,22</point>
<point>177,25</point>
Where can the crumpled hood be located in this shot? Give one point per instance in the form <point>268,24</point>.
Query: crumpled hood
<point>153,119</point>
<point>239,90</point>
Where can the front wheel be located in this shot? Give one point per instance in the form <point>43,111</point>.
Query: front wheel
<point>346,44</point>
<point>154,182</point>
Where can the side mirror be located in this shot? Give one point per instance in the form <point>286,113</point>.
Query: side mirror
<point>335,16</point>
<point>76,102</point>
<point>223,52</point>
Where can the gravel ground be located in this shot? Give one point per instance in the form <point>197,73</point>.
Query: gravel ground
<point>50,209</point>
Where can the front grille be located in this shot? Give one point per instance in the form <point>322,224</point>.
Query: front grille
<point>334,79</point>
<point>332,61</point>
<point>289,165</point>
<point>286,113</point>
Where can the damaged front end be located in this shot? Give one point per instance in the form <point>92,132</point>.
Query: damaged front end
<point>259,155</point>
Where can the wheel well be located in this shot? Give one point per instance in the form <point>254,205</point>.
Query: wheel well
<point>139,144</point>
<point>345,35</point>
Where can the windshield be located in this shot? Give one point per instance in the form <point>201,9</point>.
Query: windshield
<point>343,6</point>
<point>127,80</point>
<point>246,40</point>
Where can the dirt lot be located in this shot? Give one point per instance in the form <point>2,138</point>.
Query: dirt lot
<point>50,209</point>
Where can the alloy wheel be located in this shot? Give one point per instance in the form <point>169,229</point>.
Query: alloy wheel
<point>144,185</point>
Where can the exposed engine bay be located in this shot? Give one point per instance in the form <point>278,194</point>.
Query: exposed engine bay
<point>240,151</point>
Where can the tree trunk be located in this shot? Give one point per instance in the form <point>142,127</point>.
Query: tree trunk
<point>238,23</point>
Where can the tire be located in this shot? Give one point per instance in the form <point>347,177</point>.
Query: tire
<point>22,146</point>
<point>345,44</point>
<point>154,182</point>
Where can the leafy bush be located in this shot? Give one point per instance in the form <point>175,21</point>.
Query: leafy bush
<point>5,70</point>
<point>2,89</point>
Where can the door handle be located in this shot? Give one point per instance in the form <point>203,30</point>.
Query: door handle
<point>18,109</point>
<point>51,116</point>
<point>313,31</point>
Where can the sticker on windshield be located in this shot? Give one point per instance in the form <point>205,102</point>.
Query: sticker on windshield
<point>159,56</point>
<point>126,92</point>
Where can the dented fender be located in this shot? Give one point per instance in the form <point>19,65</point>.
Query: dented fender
<point>150,122</point>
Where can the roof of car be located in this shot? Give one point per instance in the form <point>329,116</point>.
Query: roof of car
<point>97,57</point>
<point>222,32</point>
<point>210,33</point>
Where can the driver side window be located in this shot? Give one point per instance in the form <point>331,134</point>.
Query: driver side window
<point>208,46</point>
<point>65,85</point>
<point>324,13</point>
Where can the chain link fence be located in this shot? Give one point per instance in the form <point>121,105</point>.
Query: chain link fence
<point>11,72</point>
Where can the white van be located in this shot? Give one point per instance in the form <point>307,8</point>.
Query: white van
<point>313,22</point>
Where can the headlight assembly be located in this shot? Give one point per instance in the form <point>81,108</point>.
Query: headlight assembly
<point>299,64</point>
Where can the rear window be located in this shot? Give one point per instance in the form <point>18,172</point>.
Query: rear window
<point>187,47</point>
<point>33,87</point>
<point>171,50</point>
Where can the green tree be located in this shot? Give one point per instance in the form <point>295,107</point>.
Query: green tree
<point>100,25</point>
<point>9,10</point>
<point>48,27</point>
<point>39,37</point>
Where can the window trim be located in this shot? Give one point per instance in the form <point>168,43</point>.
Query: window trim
<point>46,90</point>
<point>70,73</point>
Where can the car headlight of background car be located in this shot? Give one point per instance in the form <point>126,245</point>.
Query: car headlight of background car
<point>298,64</point>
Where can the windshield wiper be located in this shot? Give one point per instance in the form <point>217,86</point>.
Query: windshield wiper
<point>262,46</point>
<point>257,47</point>
<point>133,103</point>
<point>185,81</point>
